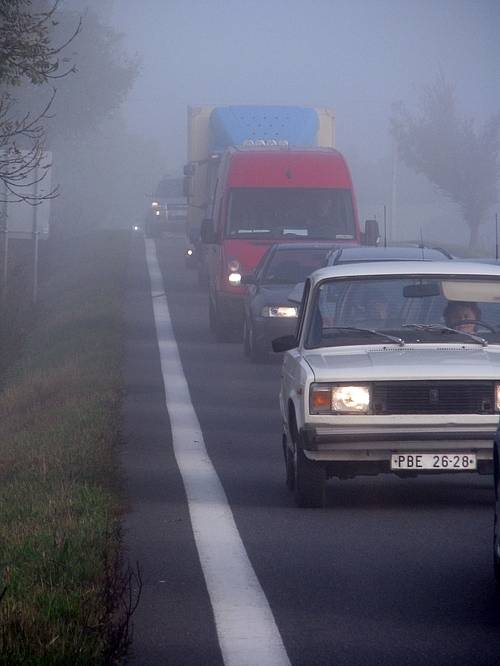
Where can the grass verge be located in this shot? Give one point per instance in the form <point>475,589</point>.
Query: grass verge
<point>62,582</point>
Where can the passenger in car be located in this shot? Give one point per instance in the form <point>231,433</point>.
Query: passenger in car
<point>462,316</point>
<point>377,307</point>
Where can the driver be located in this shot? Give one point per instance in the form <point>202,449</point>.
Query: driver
<point>462,316</point>
<point>375,309</point>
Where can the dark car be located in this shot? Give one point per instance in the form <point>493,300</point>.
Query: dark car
<point>348,255</point>
<point>268,312</point>
<point>496,531</point>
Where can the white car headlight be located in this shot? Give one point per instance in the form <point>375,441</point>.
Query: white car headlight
<point>279,311</point>
<point>343,399</point>
<point>234,278</point>
<point>497,397</point>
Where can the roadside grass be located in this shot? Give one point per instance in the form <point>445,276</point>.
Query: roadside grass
<point>63,584</point>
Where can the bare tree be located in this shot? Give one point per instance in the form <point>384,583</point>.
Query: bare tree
<point>460,160</point>
<point>26,57</point>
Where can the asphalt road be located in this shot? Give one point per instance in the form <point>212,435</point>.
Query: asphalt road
<point>391,572</point>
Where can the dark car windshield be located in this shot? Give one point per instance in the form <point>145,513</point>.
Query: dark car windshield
<point>426,309</point>
<point>289,266</point>
<point>277,213</point>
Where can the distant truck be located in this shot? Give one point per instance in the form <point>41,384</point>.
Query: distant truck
<point>167,205</point>
<point>257,175</point>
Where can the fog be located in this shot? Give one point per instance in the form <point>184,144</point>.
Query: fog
<point>357,56</point>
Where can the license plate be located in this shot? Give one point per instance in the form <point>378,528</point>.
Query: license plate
<point>448,461</point>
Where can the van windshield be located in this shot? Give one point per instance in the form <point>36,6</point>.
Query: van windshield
<point>276,213</point>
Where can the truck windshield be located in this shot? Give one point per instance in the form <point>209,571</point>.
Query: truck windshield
<point>276,213</point>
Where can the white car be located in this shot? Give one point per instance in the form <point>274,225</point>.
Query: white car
<point>394,367</point>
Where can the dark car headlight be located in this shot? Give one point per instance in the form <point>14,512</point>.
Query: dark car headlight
<point>287,311</point>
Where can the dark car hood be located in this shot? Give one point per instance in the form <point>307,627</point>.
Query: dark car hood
<point>276,294</point>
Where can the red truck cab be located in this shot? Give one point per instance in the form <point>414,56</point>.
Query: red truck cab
<point>268,195</point>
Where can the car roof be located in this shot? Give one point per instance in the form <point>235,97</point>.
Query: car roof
<point>413,268</point>
<point>482,260</point>
<point>391,253</point>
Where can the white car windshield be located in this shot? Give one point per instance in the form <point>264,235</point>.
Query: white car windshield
<point>401,308</point>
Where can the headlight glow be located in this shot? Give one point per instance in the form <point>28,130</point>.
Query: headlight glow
<point>279,311</point>
<point>234,278</point>
<point>330,399</point>
<point>189,252</point>
<point>351,399</point>
<point>233,265</point>
<point>155,204</point>
<point>157,212</point>
<point>497,397</point>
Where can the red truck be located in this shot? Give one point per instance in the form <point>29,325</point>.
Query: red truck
<point>262,191</point>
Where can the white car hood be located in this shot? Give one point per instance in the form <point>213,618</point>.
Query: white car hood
<point>417,362</point>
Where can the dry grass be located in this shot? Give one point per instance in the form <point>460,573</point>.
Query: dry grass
<point>59,478</point>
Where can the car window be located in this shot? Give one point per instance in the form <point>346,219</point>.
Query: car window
<point>398,305</point>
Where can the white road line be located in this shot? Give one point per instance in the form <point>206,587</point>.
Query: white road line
<point>247,632</point>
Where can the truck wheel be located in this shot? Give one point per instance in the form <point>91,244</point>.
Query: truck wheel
<point>218,328</point>
<point>309,481</point>
<point>246,343</point>
<point>202,278</point>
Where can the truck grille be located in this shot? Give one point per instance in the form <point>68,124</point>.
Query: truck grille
<point>441,397</point>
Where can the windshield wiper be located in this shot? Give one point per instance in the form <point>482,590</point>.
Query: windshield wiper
<point>373,331</point>
<point>438,328</point>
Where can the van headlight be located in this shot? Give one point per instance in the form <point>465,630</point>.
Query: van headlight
<point>233,272</point>
<point>279,311</point>
<point>339,399</point>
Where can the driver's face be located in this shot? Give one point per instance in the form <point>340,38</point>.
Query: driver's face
<point>461,314</point>
<point>378,310</point>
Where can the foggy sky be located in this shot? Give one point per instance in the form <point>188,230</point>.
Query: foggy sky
<point>357,56</point>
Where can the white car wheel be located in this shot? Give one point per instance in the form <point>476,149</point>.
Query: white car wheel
<point>309,481</point>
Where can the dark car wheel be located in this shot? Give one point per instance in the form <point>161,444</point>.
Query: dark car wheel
<point>255,350</point>
<point>309,480</point>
